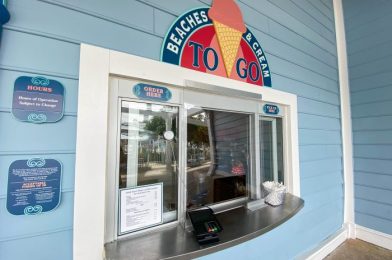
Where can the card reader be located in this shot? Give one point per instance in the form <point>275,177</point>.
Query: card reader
<point>205,225</point>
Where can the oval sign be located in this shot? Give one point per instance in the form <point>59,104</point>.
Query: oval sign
<point>150,92</point>
<point>271,109</point>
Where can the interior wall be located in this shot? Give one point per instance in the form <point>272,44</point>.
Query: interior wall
<point>43,38</point>
<point>369,40</point>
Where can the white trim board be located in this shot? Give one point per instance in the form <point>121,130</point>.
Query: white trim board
<point>96,66</point>
<point>329,245</point>
<point>374,237</point>
<point>345,113</point>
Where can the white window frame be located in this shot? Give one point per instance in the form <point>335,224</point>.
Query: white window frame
<point>274,145</point>
<point>96,67</point>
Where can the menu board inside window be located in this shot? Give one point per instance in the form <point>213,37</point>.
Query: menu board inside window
<point>140,207</point>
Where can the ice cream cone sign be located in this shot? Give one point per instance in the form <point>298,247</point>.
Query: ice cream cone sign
<point>229,27</point>
<point>216,41</point>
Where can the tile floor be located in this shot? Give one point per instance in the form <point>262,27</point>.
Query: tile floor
<point>355,249</point>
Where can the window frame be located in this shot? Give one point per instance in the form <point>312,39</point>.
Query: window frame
<point>117,97</point>
<point>273,120</point>
<point>112,175</point>
<point>235,202</point>
<point>92,147</point>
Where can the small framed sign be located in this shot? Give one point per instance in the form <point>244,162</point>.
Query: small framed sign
<point>38,100</point>
<point>271,109</point>
<point>34,186</point>
<point>150,92</point>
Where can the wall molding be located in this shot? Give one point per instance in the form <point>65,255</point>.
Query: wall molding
<point>347,140</point>
<point>374,237</point>
<point>348,231</point>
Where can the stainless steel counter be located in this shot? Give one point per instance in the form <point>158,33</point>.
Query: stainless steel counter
<point>239,225</point>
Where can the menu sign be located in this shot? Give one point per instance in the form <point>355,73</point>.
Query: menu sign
<point>140,207</point>
<point>34,186</point>
<point>38,100</point>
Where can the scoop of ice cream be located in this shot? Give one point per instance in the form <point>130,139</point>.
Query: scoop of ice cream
<point>228,13</point>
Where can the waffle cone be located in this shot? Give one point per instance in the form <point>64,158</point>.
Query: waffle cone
<point>229,40</point>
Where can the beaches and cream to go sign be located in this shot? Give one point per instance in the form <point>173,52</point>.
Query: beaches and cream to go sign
<point>216,41</point>
<point>140,207</point>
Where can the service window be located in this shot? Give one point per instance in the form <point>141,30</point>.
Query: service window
<point>271,149</point>
<point>193,150</point>
<point>159,140</point>
<point>148,158</point>
<point>218,156</point>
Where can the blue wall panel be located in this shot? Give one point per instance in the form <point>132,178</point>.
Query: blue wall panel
<point>374,151</point>
<point>59,219</point>
<point>317,152</point>
<point>50,56</point>
<point>42,246</point>
<point>301,10</point>
<point>373,179</point>
<point>375,109</point>
<point>369,56</point>
<point>373,222</point>
<point>322,8</point>
<point>319,167</point>
<point>383,211</point>
<point>373,123</point>
<point>84,28</point>
<point>21,136</point>
<point>373,165</point>
<point>372,95</point>
<point>377,80</point>
<point>318,122</point>
<point>299,40</point>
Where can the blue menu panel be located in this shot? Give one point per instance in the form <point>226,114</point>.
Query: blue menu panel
<point>34,186</point>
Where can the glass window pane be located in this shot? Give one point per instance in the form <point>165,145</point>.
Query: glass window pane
<point>217,156</point>
<point>149,150</point>
<point>266,150</point>
<point>271,149</point>
<point>279,141</point>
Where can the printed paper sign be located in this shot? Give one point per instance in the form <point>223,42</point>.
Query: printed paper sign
<point>140,207</point>
<point>38,100</point>
<point>34,186</point>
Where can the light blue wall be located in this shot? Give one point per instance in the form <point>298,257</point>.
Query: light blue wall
<point>43,38</point>
<point>369,41</point>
